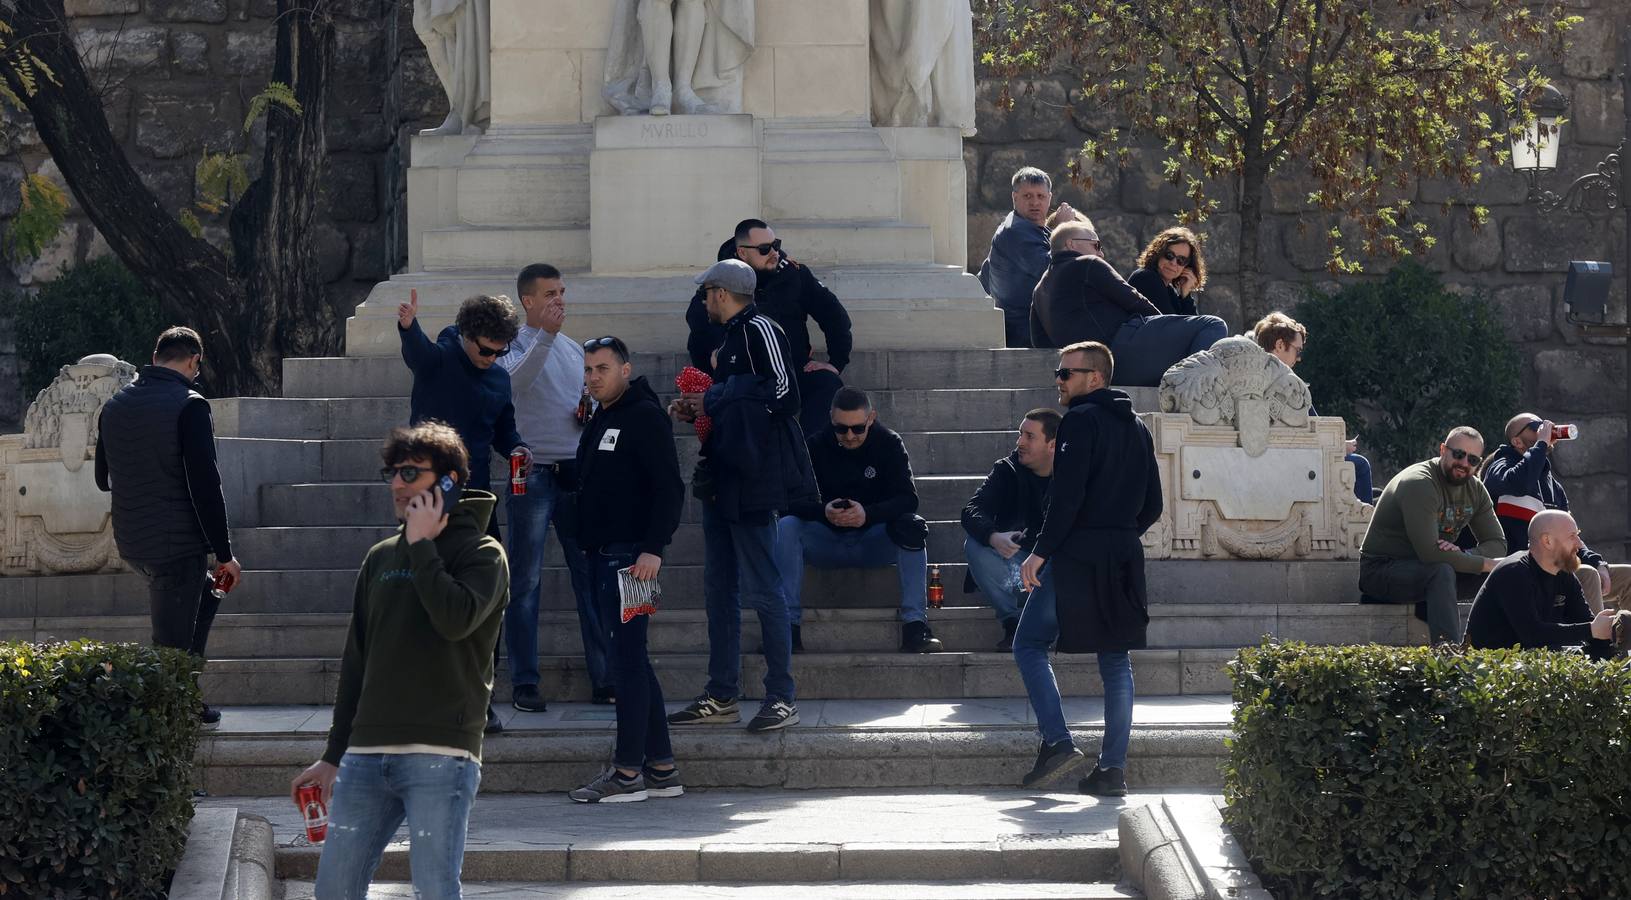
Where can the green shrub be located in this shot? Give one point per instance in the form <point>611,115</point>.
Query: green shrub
<point>1383,772</point>
<point>96,757</point>
<point>95,307</point>
<point>1403,361</point>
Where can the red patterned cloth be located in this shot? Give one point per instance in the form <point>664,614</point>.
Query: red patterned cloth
<point>693,380</point>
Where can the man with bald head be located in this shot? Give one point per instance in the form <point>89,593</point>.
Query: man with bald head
<point>1410,555</point>
<point>1532,599</point>
<point>1519,476</point>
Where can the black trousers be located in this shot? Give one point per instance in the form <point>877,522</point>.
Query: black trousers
<point>816,390</point>
<point>179,598</point>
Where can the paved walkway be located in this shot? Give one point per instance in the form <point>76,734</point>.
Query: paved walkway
<point>1187,709</point>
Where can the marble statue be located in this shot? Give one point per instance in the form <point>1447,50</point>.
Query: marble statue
<point>457,37</point>
<point>923,64</point>
<point>681,56</point>
<point>1246,472</point>
<point>53,520</point>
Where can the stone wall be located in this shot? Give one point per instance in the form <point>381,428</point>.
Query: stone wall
<point>177,76</point>
<point>1517,260</point>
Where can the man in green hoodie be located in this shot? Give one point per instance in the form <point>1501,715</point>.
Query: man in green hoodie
<point>416,677</point>
<point>1410,553</point>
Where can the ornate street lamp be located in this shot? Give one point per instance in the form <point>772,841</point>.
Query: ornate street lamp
<point>1606,190</point>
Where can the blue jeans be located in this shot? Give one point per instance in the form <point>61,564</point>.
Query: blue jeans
<point>997,578</point>
<point>642,722</point>
<point>1146,346</point>
<point>530,515</point>
<point>799,541</point>
<point>373,795</point>
<point>1363,488</point>
<point>1038,628</point>
<point>1016,327</point>
<point>739,569</point>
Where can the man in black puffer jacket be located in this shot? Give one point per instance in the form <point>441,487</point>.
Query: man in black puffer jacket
<point>155,451</point>
<point>1004,517</point>
<point>790,295</point>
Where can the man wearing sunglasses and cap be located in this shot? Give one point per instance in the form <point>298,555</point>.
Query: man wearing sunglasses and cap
<point>790,295</point>
<point>1410,555</point>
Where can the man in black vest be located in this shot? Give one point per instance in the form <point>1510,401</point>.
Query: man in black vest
<point>155,451</point>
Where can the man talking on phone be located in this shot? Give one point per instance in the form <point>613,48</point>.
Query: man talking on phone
<point>416,676</point>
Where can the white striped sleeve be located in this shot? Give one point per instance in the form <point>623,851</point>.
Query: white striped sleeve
<point>773,352</point>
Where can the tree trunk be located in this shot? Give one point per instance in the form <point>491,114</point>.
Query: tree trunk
<point>1253,182</point>
<point>249,310</point>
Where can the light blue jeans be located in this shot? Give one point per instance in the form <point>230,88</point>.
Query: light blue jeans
<point>373,795</point>
<point>530,517</point>
<point>997,578</point>
<point>1038,628</point>
<point>800,541</point>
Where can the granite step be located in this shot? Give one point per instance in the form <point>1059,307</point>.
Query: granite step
<point>984,889</point>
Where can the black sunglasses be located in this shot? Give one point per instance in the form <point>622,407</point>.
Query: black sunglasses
<point>764,249</point>
<point>488,351</point>
<point>1169,256</point>
<point>850,429</point>
<point>1064,374</point>
<point>409,474</point>
<point>597,343</point>
<point>1532,426</point>
<point>1459,455</point>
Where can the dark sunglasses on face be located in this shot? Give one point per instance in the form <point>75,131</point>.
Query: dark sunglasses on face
<point>1458,455</point>
<point>1064,374</point>
<point>849,429</point>
<point>1532,426</point>
<point>489,352</point>
<point>409,474</point>
<point>1169,256</point>
<point>764,249</point>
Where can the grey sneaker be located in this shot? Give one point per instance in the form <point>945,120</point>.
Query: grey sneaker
<point>706,710</point>
<point>662,784</point>
<point>1053,761</point>
<point>610,787</point>
<point>774,715</point>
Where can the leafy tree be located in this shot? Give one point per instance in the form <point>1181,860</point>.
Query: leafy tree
<point>1366,95</point>
<point>263,299</point>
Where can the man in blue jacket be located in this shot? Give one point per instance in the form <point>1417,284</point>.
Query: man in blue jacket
<point>1520,481</point>
<point>1019,253</point>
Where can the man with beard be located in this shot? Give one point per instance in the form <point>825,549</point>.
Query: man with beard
<point>1410,555</point>
<point>1533,600</point>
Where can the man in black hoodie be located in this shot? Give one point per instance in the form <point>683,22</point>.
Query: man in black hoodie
<point>866,516</point>
<point>1106,494</point>
<point>629,499</point>
<point>790,295</point>
<point>1004,517</point>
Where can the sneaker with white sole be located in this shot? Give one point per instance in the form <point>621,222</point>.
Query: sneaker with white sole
<point>662,784</point>
<point>611,787</point>
<point>706,710</point>
<point>774,715</point>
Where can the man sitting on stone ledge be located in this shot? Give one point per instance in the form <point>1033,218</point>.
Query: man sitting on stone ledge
<point>867,517</point>
<point>791,295</point>
<point>1019,253</point>
<point>1005,516</point>
<point>1409,554</point>
<point>1519,476</point>
<point>1532,599</point>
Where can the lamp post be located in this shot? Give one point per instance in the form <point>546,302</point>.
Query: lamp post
<point>1607,189</point>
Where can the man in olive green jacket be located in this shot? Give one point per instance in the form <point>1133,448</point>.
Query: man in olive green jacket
<point>1410,554</point>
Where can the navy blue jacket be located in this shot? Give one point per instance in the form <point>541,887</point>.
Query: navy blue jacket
<point>1018,257</point>
<point>1517,483</point>
<point>447,387</point>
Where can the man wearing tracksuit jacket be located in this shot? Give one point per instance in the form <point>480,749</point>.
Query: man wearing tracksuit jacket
<point>754,466</point>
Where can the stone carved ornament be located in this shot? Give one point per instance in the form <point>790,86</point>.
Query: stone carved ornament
<point>457,38</point>
<point>1237,383</point>
<point>678,56</point>
<point>923,64</point>
<point>53,520</point>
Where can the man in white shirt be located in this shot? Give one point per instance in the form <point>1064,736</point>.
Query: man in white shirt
<point>546,385</point>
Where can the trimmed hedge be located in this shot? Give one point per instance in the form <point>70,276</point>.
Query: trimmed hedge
<point>1382,772</point>
<point>96,759</point>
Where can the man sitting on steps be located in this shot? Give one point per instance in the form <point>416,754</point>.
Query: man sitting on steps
<point>1532,599</point>
<point>1005,516</point>
<point>1409,554</point>
<point>867,517</point>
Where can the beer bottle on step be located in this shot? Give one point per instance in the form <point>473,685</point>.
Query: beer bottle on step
<point>937,591</point>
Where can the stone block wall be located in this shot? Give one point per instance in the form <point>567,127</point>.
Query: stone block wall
<point>1518,260</point>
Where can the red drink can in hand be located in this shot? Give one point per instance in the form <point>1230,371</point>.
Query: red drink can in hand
<point>1565,432</point>
<point>222,583</point>
<point>310,800</point>
<point>518,472</point>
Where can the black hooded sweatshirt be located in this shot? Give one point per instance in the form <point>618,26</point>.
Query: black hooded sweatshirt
<point>790,296</point>
<point>629,488</point>
<point>1104,475</point>
<point>877,475</point>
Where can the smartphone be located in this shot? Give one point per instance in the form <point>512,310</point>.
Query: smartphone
<point>450,492</point>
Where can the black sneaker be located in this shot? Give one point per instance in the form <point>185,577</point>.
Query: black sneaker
<point>662,784</point>
<point>527,699</point>
<point>774,716</point>
<point>493,726</point>
<point>604,697</point>
<point>611,787</point>
<point>1053,761</point>
<point>209,715</point>
<point>1009,626</point>
<point>1104,783</point>
<point>706,710</point>
<point>798,639</point>
<point>915,637</point>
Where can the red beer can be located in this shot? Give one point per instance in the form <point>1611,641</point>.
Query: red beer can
<point>518,472</point>
<point>1565,432</point>
<point>310,799</point>
<point>221,583</point>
